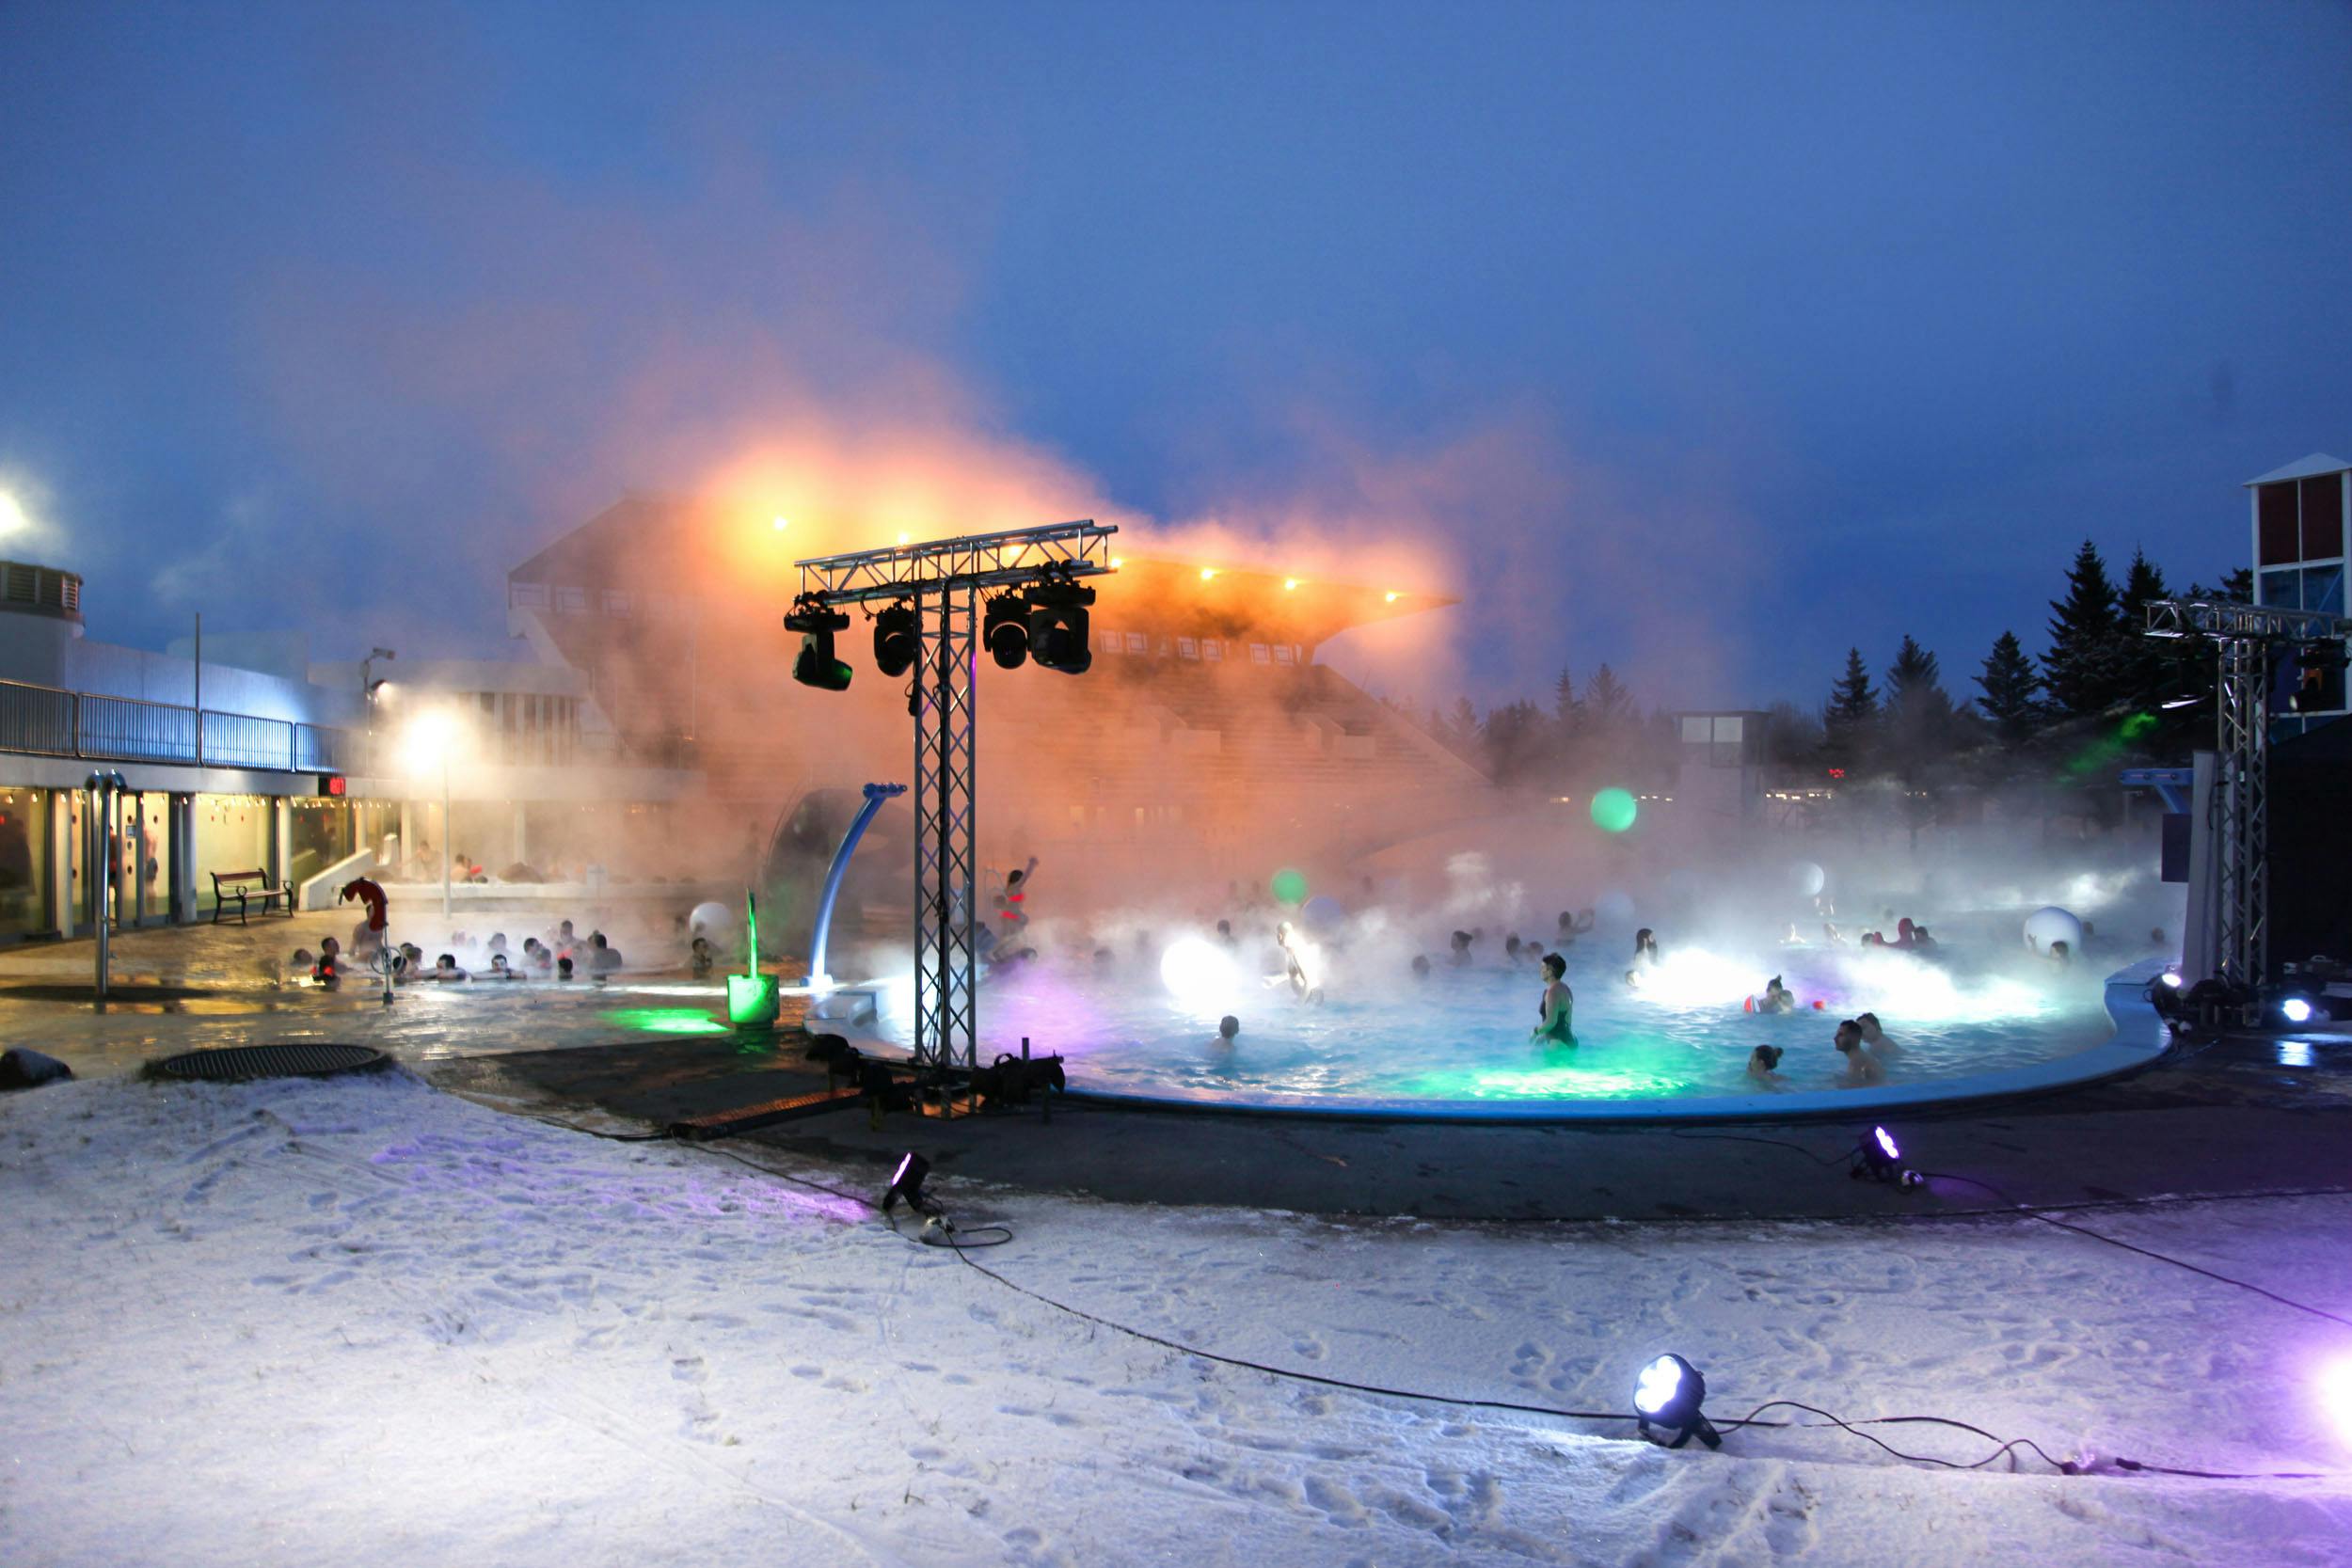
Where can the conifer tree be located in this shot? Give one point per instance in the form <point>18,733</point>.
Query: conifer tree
<point>2085,671</point>
<point>1566,710</point>
<point>2009,684</point>
<point>1850,714</point>
<point>2149,662</point>
<point>1607,703</point>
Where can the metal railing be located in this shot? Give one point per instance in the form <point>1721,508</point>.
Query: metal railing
<point>46,721</point>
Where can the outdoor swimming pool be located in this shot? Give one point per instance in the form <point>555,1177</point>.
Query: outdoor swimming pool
<point>1457,1043</point>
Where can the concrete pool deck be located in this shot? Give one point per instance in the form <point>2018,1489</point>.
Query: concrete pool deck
<point>2233,1116</point>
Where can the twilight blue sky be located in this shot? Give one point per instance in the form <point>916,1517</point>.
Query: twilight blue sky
<point>1704,340</point>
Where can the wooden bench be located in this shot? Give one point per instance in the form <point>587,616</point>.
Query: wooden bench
<point>248,888</point>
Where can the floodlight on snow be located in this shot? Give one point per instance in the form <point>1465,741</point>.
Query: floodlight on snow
<point>1667,1395</point>
<point>1878,1158</point>
<point>907,1184</point>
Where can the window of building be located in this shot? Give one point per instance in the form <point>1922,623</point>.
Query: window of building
<point>527,595</point>
<point>1260,653</point>
<point>1187,647</point>
<point>23,861</point>
<point>1138,643</point>
<point>571,601</point>
<point>616,602</point>
<point>1107,641</point>
<point>1285,653</point>
<point>2318,588</point>
<point>2299,521</point>
<point>1212,647</point>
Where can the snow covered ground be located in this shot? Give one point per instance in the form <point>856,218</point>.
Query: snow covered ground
<point>361,1321</point>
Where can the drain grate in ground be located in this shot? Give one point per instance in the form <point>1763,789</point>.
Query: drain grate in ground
<point>235,1062</point>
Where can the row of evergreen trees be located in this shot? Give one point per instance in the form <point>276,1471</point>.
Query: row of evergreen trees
<point>2098,662</point>
<point>2099,659</point>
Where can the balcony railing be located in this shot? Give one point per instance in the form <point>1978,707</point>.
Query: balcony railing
<point>45,722</point>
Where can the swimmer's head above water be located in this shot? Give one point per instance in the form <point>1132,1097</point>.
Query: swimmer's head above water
<point>1227,1027</point>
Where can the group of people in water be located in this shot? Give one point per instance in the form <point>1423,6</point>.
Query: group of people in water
<point>560,954</point>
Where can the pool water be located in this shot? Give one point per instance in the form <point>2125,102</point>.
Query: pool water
<point>1460,1037</point>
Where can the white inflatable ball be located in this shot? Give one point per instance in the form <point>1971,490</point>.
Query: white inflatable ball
<point>1808,878</point>
<point>2051,923</point>
<point>710,920</point>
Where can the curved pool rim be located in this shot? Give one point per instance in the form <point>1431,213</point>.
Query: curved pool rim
<point>2140,1039</point>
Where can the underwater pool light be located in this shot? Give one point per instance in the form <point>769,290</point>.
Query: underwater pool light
<point>1668,1394</point>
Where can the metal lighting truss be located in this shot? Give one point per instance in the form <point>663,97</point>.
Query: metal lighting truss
<point>2244,636</point>
<point>942,579</point>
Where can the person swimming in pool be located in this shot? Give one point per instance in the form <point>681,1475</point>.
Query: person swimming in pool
<point>1302,963</point>
<point>1875,1039</point>
<point>1646,948</point>
<point>1558,1008</point>
<point>1777,998</point>
<point>1863,1070</point>
<point>1227,1027</point>
<point>1764,1063</point>
<point>1461,948</point>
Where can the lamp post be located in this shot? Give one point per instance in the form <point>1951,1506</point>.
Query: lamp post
<point>368,684</point>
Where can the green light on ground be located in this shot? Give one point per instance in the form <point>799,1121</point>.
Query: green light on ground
<point>1614,810</point>
<point>667,1020</point>
<point>1290,887</point>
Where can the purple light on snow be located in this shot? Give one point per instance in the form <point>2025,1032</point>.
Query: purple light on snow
<point>1886,1143</point>
<point>2335,1395</point>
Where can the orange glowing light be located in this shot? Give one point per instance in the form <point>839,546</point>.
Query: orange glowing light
<point>1289,583</point>
<point>1207,572</point>
<point>782,523</point>
<point>1395,596</point>
<point>1117,561</point>
<point>904,537</point>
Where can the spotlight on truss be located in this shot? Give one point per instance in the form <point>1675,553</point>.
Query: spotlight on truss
<point>1058,626</point>
<point>1006,630</point>
<point>818,665</point>
<point>896,641</point>
<point>1667,1395</point>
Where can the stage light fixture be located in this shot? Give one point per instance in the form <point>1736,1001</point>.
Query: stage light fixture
<point>817,665</point>
<point>906,1186</point>
<point>1668,1395</point>
<point>2295,1009</point>
<point>897,640</point>
<point>1058,626</point>
<point>1006,630</point>
<point>2170,979</point>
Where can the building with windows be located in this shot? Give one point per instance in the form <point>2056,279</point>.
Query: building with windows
<point>223,768</point>
<point>2302,523</point>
